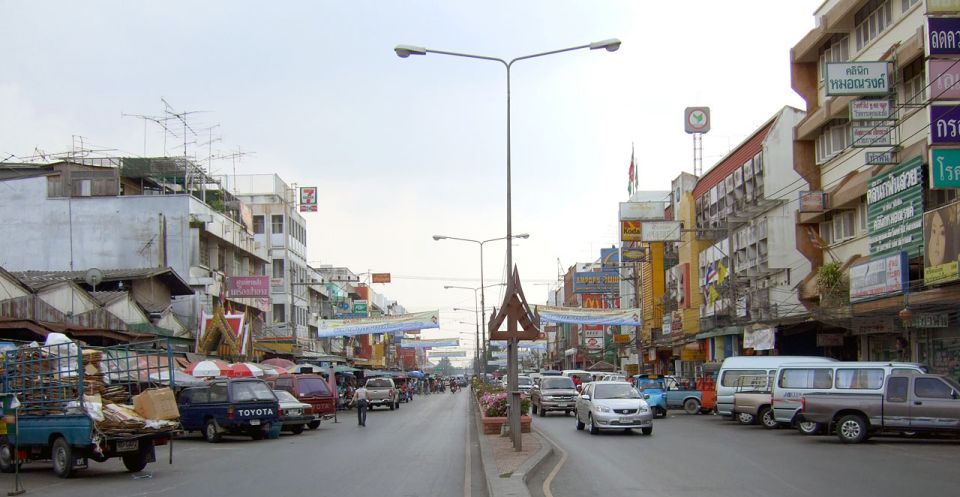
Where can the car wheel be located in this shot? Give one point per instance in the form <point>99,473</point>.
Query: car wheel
<point>647,430</point>
<point>6,459</point>
<point>391,406</point>
<point>62,455</point>
<point>852,428</point>
<point>593,426</point>
<point>297,429</point>
<point>808,427</point>
<point>660,412</point>
<point>259,433</point>
<point>210,433</point>
<point>580,424</point>
<point>542,412</point>
<point>313,425</point>
<point>691,406</point>
<point>766,418</point>
<point>745,418</point>
<point>136,462</point>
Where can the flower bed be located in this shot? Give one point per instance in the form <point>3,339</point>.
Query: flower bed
<point>494,404</point>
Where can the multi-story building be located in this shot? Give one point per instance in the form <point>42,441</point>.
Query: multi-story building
<point>127,213</point>
<point>884,239</point>
<point>745,212</point>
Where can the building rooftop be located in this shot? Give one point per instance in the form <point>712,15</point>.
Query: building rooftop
<point>37,280</point>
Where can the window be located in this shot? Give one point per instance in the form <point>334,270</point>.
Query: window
<point>871,379</point>
<point>826,232</point>
<point>836,50</point>
<point>843,222</point>
<point>749,376</point>
<point>279,313</point>
<point>258,225</point>
<point>897,390</point>
<point>914,87</point>
<point>204,252</point>
<point>221,258</point>
<point>278,268</point>
<point>806,378</point>
<point>276,224</point>
<point>932,388</point>
<point>833,139</point>
<point>906,4</point>
<point>218,392</point>
<point>871,20</point>
<point>862,214</point>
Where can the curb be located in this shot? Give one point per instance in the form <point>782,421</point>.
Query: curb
<point>516,484</point>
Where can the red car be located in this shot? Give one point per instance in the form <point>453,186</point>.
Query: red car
<point>311,389</point>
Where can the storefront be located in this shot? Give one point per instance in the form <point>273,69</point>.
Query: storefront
<point>939,349</point>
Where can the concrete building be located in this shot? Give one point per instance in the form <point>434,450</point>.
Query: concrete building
<point>129,213</point>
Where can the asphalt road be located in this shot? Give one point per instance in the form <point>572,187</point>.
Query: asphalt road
<point>705,455</point>
<point>418,450</point>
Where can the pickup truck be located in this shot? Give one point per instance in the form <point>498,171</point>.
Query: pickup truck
<point>382,392</point>
<point>753,407</point>
<point>243,406</point>
<point>700,399</point>
<point>907,404</point>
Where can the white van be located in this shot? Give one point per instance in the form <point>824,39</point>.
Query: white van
<point>794,380</point>
<point>734,370</point>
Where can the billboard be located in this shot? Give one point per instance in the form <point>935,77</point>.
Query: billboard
<point>945,168</point>
<point>941,243</point>
<point>895,209</point>
<point>592,301</point>
<point>857,78</point>
<point>941,35</point>
<point>308,199</point>
<point>610,257</point>
<point>880,276</point>
<point>660,231</point>
<point>641,211</point>
<point>631,231</point>
<point>248,286</point>
<point>607,281</point>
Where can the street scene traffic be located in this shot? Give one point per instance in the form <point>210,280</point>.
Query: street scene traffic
<point>548,248</point>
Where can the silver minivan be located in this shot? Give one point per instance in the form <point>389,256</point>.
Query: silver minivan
<point>792,381</point>
<point>734,371</point>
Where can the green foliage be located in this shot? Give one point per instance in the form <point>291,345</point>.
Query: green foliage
<point>832,284</point>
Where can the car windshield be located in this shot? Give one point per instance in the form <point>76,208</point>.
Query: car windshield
<point>313,386</point>
<point>557,383</point>
<point>252,391</point>
<point>379,383</point>
<point>615,391</point>
<point>284,396</point>
<point>649,383</point>
<point>524,381</point>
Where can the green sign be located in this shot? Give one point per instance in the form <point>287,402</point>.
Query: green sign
<point>945,168</point>
<point>360,307</point>
<point>895,209</point>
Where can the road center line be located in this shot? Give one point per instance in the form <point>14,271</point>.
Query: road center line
<point>556,469</point>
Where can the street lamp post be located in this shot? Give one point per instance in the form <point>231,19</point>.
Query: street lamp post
<point>475,310</point>
<point>483,300</point>
<point>405,51</point>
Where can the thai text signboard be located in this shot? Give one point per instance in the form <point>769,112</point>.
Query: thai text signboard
<point>944,79</point>
<point>596,282</point>
<point>944,120</point>
<point>857,78</point>
<point>870,110</point>
<point>945,168</point>
<point>871,135</point>
<point>248,286</point>
<point>879,277</point>
<point>942,37</point>
<point>895,209</point>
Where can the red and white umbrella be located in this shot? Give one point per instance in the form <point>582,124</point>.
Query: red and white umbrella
<point>272,371</point>
<point>245,369</point>
<point>210,367</point>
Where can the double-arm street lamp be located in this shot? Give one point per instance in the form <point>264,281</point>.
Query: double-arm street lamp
<point>480,357</point>
<point>405,51</point>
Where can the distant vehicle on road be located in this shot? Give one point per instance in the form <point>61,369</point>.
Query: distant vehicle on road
<point>553,393</point>
<point>382,392</point>
<point>524,384</point>
<point>613,405</point>
<point>312,389</point>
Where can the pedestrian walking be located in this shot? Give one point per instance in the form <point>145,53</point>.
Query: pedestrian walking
<point>360,399</point>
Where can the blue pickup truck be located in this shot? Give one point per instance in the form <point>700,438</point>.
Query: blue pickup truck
<point>229,407</point>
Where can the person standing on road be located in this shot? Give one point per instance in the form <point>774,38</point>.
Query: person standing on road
<point>360,399</point>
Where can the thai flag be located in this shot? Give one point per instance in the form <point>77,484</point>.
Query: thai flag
<point>711,274</point>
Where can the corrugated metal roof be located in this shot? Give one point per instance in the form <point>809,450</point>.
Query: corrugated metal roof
<point>37,280</point>
<point>105,298</point>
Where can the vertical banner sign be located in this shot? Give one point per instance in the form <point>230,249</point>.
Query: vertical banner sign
<point>945,168</point>
<point>308,199</point>
<point>895,209</point>
<point>942,36</point>
<point>941,243</point>
<point>944,121</point>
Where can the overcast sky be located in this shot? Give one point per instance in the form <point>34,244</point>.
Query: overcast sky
<point>402,149</point>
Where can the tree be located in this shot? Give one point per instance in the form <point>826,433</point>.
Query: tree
<point>444,365</point>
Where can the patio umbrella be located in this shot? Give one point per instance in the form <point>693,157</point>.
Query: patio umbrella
<point>344,369</point>
<point>180,378</point>
<point>245,369</point>
<point>415,374</point>
<point>276,361</point>
<point>299,368</point>
<point>270,371</point>
<point>210,367</point>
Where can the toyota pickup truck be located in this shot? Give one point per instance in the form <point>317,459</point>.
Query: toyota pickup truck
<point>229,407</point>
<point>907,404</point>
<point>382,392</point>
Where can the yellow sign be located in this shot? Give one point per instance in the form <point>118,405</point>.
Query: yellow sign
<point>631,369</point>
<point>621,338</point>
<point>631,231</point>
<point>692,354</point>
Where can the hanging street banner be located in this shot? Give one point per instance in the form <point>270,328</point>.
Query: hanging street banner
<point>857,78</point>
<point>576,315</point>
<point>880,277</point>
<point>941,244</point>
<point>945,168</point>
<point>308,199</point>
<point>409,343</point>
<point>447,353</point>
<point>943,124</point>
<point>895,209</point>
<point>941,35</point>
<point>607,281</point>
<point>944,79</point>
<point>870,110</point>
<point>329,328</point>
<point>610,258</point>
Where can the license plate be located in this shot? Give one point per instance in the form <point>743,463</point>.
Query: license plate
<point>254,422</point>
<point>563,404</point>
<point>626,421</point>
<point>127,446</point>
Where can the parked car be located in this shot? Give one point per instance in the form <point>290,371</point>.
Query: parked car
<point>733,370</point>
<point>908,403</point>
<point>461,380</point>
<point>382,392</point>
<point>613,405</point>
<point>654,390</point>
<point>753,401</point>
<point>613,377</point>
<point>242,406</point>
<point>524,384</point>
<point>311,389</point>
<point>294,415</point>
<point>554,393</point>
<point>578,375</point>
<point>677,395</point>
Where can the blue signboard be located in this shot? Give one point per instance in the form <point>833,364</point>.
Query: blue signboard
<point>610,257</point>
<point>606,281</point>
<point>942,38</point>
<point>944,120</point>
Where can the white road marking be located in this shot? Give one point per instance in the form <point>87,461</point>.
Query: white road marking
<point>556,469</point>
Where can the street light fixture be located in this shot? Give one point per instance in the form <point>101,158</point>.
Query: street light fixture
<point>480,341</point>
<point>405,51</point>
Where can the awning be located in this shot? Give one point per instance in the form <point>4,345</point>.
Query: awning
<point>719,332</point>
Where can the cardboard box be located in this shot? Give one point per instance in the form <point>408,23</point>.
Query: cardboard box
<point>156,403</point>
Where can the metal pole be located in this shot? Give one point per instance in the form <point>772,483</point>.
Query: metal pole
<point>483,318</point>
<point>476,317</point>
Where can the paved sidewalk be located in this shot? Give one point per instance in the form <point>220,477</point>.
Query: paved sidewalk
<point>509,460</point>
<point>505,469</point>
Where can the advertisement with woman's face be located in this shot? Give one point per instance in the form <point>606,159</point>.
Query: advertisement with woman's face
<point>941,241</point>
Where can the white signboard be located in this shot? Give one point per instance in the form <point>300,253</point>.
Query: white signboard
<point>870,110</point>
<point>879,158</point>
<point>871,135</point>
<point>593,333</point>
<point>857,78</point>
<point>881,276</point>
<point>641,211</point>
<point>660,231</point>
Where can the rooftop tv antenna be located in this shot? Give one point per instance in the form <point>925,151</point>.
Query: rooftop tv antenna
<point>182,117</point>
<point>160,121</point>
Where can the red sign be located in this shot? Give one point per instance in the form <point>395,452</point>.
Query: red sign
<point>248,286</point>
<point>380,277</point>
<point>592,301</point>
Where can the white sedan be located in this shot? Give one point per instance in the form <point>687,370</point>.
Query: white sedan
<point>613,405</point>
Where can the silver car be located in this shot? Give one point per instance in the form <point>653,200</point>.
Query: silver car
<point>613,405</point>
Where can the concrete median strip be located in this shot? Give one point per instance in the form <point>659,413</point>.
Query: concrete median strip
<point>510,483</point>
